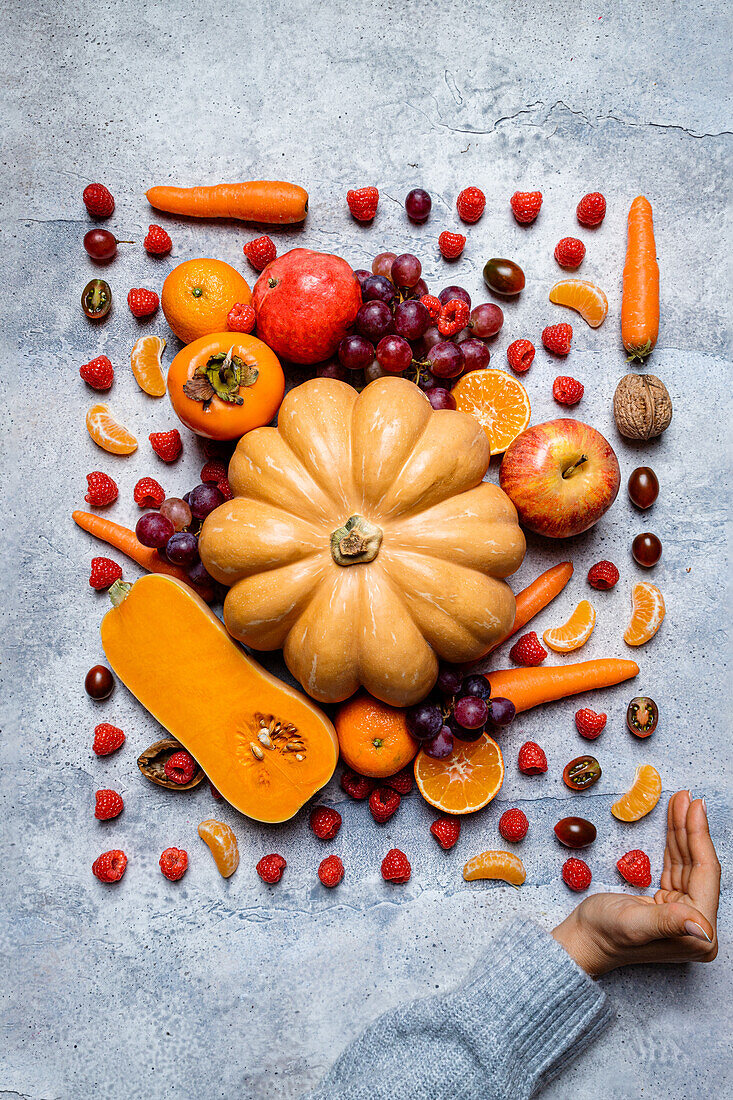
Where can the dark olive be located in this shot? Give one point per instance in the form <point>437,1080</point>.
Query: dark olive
<point>642,715</point>
<point>643,487</point>
<point>99,682</point>
<point>575,832</point>
<point>96,299</point>
<point>503,276</point>
<point>581,773</point>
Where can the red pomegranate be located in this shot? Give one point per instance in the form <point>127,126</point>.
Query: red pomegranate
<point>305,303</point>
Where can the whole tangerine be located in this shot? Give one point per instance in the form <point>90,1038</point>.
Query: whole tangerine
<point>198,295</point>
<point>373,736</point>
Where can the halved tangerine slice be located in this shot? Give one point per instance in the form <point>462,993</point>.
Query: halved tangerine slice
<point>146,359</point>
<point>587,298</point>
<point>641,797</point>
<point>466,780</point>
<point>502,865</point>
<point>575,632</point>
<point>647,613</point>
<point>107,433</point>
<point>498,401</point>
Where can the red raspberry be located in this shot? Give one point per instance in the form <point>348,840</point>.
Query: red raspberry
<point>180,767</point>
<point>98,200</point>
<point>157,242</point>
<point>225,488</point>
<point>325,822</point>
<point>396,866</point>
<point>104,573</point>
<point>356,786</point>
<point>218,448</point>
<point>98,373</point>
<point>433,305</point>
<point>528,650</point>
<point>173,863</point>
<point>214,792</point>
<point>526,205</point>
<point>101,490</point>
<point>556,338</point>
<point>470,204</point>
<point>241,318</point>
<point>331,871</point>
<point>142,302</point>
<point>110,866</point>
<point>569,252</point>
<point>213,471</point>
<point>513,825</point>
<point>520,355</point>
<point>363,203</point>
<point>636,868</point>
<point>567,390</point>
<point>591,209</point>
<point>446,831</point>
<point>167,445</point>
<point>260,252</point>
<point>453,317</point>
<point>148,493</point>
<point>270,868</point>
<point>603,575</point>
<point>107,739</point>
<point>108,805</point>
<point>383,803</point>
<point>576,874</point>
<point>531,759</point>
<point>401,782</point>
<point>451,244</point>
<point>590,724</point>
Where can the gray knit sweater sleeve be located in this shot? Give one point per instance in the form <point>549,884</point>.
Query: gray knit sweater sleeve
<point>523,1013</point>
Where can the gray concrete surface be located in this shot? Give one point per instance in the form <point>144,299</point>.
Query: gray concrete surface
<point>213,989</point>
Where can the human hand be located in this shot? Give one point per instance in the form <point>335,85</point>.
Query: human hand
<point>677,925</point>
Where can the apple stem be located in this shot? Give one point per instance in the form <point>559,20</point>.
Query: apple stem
<point>571,469</point>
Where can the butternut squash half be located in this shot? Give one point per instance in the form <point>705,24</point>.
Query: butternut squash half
<point>265,746</point>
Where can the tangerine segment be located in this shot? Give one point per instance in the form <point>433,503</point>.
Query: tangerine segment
<point>498,401</point>
<point>501,865</point>
<point>647,613</point>
<point>108,433</point>
<point>466,780</point>
<point>642,796</point>
<point>575,632</point>
<point>222,844</point>
<point>146,360</point>
<point>584,297</point>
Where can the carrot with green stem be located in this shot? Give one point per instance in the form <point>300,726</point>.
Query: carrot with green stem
<point>273,202</point>
<point>531,687</point>
<point>125,540</point>
<point>537,595</point>
<point>640,299</point>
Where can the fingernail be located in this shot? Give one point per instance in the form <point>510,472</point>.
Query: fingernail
<point>704,806</point>
<point>697,931</point>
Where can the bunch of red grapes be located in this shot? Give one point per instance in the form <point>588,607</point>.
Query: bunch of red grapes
<point>461,706</point>
<point>395,333</point>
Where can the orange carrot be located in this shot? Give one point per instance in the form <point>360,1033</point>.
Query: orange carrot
<point>536,596</point>
<point>530,687</point>
<point>269,201</point>
<point>127,541</point>
<point>640,300</point>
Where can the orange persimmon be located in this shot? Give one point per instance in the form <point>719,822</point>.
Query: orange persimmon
<point>225,384</point>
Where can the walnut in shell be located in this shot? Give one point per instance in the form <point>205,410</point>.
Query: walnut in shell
<point>642,406</point>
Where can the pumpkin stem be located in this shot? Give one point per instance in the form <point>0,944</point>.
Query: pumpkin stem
<point>119,592</point>
<point>357,541</point>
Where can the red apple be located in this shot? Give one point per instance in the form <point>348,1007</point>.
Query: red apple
<point>561,476</point>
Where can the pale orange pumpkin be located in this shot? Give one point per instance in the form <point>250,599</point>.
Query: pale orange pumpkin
<point>363,542</point>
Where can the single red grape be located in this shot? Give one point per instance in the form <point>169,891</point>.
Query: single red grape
<point>476,356</point>
<point>382,264</point>
<point>377,288</point>
<point>411,319</point>
<point>204,499</point>
<point>418,204</point>
<point>406,270</point>
<point>452,292</point>
<point>394,354</point>
<point>486,320</point>
<point>424,720</point>
<point>445,360</point>
<point>154,530</point>
<point>100,244</point>
<point>355,352</point>
<point>470,712</point>
<point>440,398</point>
<point>441,745</point>
<point>373,320</point>
<point>182,548</point>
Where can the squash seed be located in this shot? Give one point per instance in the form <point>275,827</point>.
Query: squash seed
<point>256,751</point>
